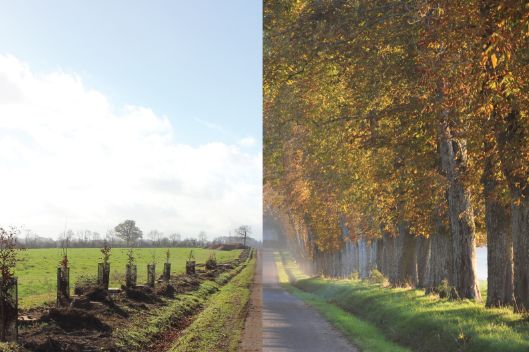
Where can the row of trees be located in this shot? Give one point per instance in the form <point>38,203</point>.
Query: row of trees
<point>91,239</point>
<point>402,126</point>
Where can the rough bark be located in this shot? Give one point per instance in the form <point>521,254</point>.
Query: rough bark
<point>407,257</point>
<point>453,163</point>
<point>380,255</point>
<point>393,254</point>
<point>440,257</point>
<point>356,257</point>
<point>513,137</point>
<point>387,255</point>
<point>362,251</point>
<point>367,258</point>
<point>423,260</point>
<point>520,231</point>
<point>499,240</point>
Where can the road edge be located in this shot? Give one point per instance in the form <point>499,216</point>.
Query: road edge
<point>252,337</point>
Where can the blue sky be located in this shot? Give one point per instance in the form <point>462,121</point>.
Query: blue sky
<point>144,110</point>
<point>196,62</point>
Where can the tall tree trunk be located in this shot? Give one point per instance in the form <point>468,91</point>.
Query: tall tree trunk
<point>393,251</point>
<point>356,257</point>
<point>520,231</point>
<point>367,259</point>
<point>453,163</point>
<point>440,257</point>
<point>423,260</point>
<point>362,250</point>
<point>499,240</point>
<point>407,259</point>
<point>513,137</point>
<point>380,255</point>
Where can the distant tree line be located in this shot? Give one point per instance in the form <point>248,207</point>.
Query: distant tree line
<point>155,239</point>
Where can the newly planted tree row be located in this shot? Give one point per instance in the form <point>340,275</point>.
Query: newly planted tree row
<point>93,296</point>
<point>397,139</point>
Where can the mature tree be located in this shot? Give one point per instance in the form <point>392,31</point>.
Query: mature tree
<point>128,232</point>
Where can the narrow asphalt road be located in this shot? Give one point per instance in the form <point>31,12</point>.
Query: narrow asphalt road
<point>289,325</point>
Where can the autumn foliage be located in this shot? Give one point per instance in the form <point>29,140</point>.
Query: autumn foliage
<point>403,124</point>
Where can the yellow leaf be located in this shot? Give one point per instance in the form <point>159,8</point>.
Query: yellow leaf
<point>494,60</point>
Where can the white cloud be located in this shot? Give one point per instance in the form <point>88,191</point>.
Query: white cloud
<point>247,142</point>
<point>66,154</point>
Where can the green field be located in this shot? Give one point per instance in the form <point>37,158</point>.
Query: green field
<point>37,268</point>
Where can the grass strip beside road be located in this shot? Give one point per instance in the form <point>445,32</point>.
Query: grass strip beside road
<point>362,334</point>
<point>219,326</point>
<point>423,322</point>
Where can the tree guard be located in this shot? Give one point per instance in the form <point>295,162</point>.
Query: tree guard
<point>103,275</point>
<point>8,310</point>
<point>190,267</point>
<point>166,271</point>
<point>131,275</point>
<point>63,286</point>
<point>211,264</point>
<point>151,274</point>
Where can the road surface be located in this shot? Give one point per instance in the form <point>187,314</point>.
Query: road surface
<point>289,325</point>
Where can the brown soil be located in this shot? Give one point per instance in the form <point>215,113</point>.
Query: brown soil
<point>167,339</point>
<point>87,325</point>
<point>252,339</point>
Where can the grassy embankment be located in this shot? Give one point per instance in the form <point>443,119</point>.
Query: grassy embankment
<point>219,326</point>
<point>422,322</point>
<point>37,268</point>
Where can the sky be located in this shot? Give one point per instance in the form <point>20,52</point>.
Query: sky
<point>143,110</point>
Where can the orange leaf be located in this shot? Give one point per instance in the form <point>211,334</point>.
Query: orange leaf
<point>494,60</point>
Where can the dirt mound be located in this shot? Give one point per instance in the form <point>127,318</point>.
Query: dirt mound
<point>166,289</point>
<point>98,294</point>
<point>185,283</point>
<point>61,343</point>
<point>70,319</point>
<point>142,294</point>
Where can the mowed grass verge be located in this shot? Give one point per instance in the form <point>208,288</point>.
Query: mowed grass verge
<point>424,322</point>
<point>362,334</point>
<point>37,268</point>
<point>219,326</point>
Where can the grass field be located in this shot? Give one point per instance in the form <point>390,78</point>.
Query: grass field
<point>37,268</point>
<point>423,322</point>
